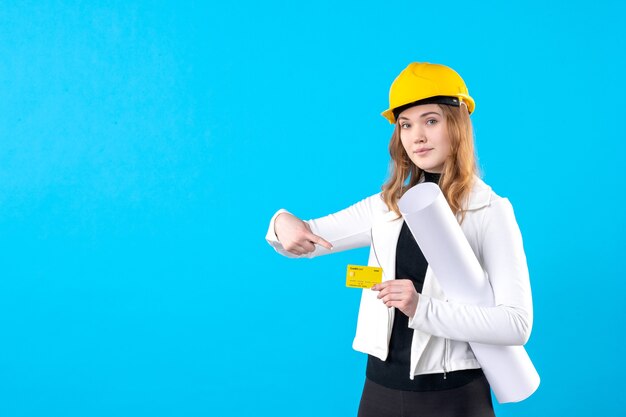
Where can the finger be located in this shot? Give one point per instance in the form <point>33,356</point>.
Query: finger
<point>391,289</point>
<point>392,297</point>
<point>296,249</point>
<point>396,304</point>
<point>319,240</point>
<point>400,305</point>
<point>308,246</point>
<point>383,292</point>
<point>406,283</point>
<point>384,285</point>
<point>305,247</point>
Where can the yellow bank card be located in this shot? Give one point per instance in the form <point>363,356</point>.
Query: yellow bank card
<point>363,276</point>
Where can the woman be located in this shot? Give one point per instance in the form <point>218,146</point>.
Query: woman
<point>420,362</point>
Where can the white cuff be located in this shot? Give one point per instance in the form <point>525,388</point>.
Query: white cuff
<point>271,234</point>
<point>420,312</point>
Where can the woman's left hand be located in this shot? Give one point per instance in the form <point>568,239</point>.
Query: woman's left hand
<point>399,293</point>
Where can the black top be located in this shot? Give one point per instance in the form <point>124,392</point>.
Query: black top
<point>394,372</point>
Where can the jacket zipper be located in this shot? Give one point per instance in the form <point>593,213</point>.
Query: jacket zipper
<point>445,358</point>
<point>389,327</point>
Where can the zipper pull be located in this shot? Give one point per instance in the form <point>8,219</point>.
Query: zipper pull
<point>444,375</point>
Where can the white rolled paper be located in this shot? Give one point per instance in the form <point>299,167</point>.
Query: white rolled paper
<point>508,369</point>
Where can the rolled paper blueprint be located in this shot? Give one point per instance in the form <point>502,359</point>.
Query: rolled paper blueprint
<point>508,369</point>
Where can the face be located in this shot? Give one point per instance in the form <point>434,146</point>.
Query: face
<point>424,135</point>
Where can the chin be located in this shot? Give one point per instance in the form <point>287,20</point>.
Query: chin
<point>425,167</point>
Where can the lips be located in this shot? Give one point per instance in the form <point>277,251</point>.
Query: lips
<point>423,151</point>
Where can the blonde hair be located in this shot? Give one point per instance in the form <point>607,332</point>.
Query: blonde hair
<point>459,167</point>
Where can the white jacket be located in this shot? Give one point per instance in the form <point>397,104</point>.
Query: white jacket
<point>442,329</point>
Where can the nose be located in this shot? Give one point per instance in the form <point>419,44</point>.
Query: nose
<point>419,136</point>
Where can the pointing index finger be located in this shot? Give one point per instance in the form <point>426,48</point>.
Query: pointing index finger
<point>320,241</point>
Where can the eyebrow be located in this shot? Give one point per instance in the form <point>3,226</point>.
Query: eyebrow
<point>421,115</point>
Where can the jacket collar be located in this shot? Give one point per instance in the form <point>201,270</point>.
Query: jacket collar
<point>480,196</point>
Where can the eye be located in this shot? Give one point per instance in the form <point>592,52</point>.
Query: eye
<point>404,125</point>
<point>434,121</point>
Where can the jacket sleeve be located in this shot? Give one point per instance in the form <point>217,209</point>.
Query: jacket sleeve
<point>509,321</point>
<point>347,229</point>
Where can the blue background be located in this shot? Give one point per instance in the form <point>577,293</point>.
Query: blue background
<point>145,145</point>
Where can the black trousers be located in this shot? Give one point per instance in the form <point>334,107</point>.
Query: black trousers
<point>470,400</point>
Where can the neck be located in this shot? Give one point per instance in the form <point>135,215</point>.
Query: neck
<point>432,177</point>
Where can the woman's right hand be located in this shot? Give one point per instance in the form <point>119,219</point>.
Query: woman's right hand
<point>296,236</point>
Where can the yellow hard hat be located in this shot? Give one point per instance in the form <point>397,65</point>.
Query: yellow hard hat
<point>424,83</point>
